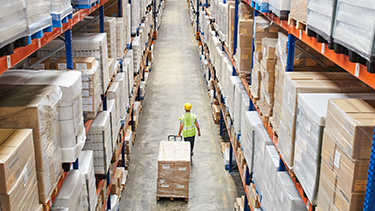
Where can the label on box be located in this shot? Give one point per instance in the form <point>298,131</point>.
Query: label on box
<point>165,167</point>
<point>336,161</point>
<point>243,31</point>
<point>85,85</point>
<point>182,168</point>
<point>85,77</point>
<point>87,108</point>
<point>180,186</point>
<point>40,66</point>
<point>360,185</point>
<point>85,93</point>
<point>61,66</point>
<point>81,66</point>
<point>165,186</point>
<point>162,180</point>
<point>243,57</point>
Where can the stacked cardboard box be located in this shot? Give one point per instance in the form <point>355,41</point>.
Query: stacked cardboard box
<point>329,83</point>
<point>231,14</point>
<point>35,107</point>
<point>173,169</point>
<point>245,46</point>
<point>346,152</point>
<point>312,111</point>
<point>19,190</point>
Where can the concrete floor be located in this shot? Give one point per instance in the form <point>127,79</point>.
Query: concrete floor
<point>175,79</point>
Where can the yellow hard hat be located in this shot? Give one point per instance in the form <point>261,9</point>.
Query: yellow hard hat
<point>187,106</point>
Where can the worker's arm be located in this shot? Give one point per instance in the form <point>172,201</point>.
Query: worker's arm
<point>199,130</point>
<point>179,131</point>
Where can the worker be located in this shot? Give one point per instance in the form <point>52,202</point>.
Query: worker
<point>188,123</point>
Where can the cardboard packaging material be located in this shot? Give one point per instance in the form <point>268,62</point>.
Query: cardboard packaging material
<point>18,184</point>
<point>35,107</point>
<point>173,169</point>
<point>79,63</point>
<point>327,186</point>
<point>44,65</point>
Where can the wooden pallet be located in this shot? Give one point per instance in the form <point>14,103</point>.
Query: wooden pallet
<point>275,130</point>
<point>301,25</point>
<point>158,198</point>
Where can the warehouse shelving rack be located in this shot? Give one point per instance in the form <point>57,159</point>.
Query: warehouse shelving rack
<point>356,69</point>
<point>21,53</point>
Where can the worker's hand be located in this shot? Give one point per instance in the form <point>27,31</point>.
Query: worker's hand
<point>199,133</point>
<point>178,135</point>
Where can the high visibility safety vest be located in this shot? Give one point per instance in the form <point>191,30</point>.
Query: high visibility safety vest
<point>188,119</point>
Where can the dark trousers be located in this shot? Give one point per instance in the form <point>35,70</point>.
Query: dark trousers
<point>191,140</point>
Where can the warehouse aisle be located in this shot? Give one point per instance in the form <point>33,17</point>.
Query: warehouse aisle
<point>174,80</point>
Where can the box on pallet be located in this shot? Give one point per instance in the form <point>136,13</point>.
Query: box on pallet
<point>298,10</point>
<point>311,116</point>
<point>35,107</point>
<point>173,169</point>
<point>18,173</point>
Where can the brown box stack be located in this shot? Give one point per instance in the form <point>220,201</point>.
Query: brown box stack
<point>18,183</point>
<point>173,169</point>
<point>245,46</point>
<point>230,25</point>
<point>345,153</point>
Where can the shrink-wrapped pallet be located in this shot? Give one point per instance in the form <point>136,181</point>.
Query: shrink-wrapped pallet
<point>86,162</point>
<point>281,8</point>
<point>99,141</point>
<point>38,15</point>
<point>286,195</point>
<point>312,112</point>
<point>237,110</point>
<point>114,94</point>
<point>69,195</point>
<point>124,94</point>
<point>114,121</point>
<point>231,92</point>
<point>18,180</point>
<point>72,136</point>
<point>173,169</point>
<point>128,68</point>
<point>35,107</point>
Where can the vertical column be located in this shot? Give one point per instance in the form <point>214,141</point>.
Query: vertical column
<point>370,188</point>
<point>108,184</point>
<point>246,204</point>
<point>197,12</point>
<point>69,49</point>
<point>221,122</point>
<point>119,8</point>
<point>75,164</point>
<point>132,119</point>
<point>101,18</point>
<point>290,52</point>
<point>235,33</point>
<point>230,156</point>
<point>105,103</point>
<point>123,151</point>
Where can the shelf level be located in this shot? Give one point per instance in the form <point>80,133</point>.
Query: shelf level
<point>7,62</point>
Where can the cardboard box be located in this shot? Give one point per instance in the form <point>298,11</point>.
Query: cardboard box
<point>328,150</point>
<point>350,123</point>
<point>245,41</point>
<point>354,201</point>
<point>165,187</point>
<point>44,65</point>
<point>79,63</point>
<point>245,26</point>
<point>327,185</point>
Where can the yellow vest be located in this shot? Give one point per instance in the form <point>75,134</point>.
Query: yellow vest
<point>188,119</point>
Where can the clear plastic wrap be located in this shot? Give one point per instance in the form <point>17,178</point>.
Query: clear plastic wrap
<point>114,94</point>
<point>99,141</point>
<point>320,17</point>
<point>86,159</point>
<point>35,107</point>
<point>72,136</point>
<point>239,91</point>
<point>261,140</point>
<point>286,195</point>
<point>69,195</point>
<point>298,10</point>
<point>60,9</point>
<point>350,123</point>
<point>124,94</point>
<point>279,7</point>
<point>327,186</point>
<point>115,121</point>
<point>264,28</point>
<point>38,15</point>
<point>354,26</point>
<point>231,91</point>
<point>13,21</point>
<point>128,68</point>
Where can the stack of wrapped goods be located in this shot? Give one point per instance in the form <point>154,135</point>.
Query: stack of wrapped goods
<point>136,16</point>
<point>128,68</point>
<point>245,47</point>
<point>231,14</point>
<point>229,101</point>
<point>87,25</point>
<point>137,53</point>
<point>309,82</point>
<point>320,19</point>
<point>298,12</point>
<point>83,3</point>
<point>286,195</point>
<point>251,120</point>
<point>346,153</point>
<point>121,78</point>
<point>14,26</point>
<point>312,112</point>
<point>239,93</point>
<point>38,16</point>
<point>302,62</point>
<point>114,98</point>
<point>86,160</point>
<point>267,73</point>
<point>35,107</point>
<point>263,28</point>
<point>72,133</point>
<point>280,8</point>
<point>173,170</point>
<point>59,10</point>
<point>99,141</point>
<point>91,89</point>
<point>19,189</point>
<point>355,34</point>
<point>70,194</point>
